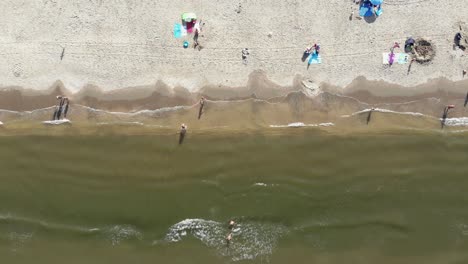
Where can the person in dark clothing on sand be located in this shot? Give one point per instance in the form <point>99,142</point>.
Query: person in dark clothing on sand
<point>202,104</point>
<point>457,39</point>
<point>182,132</point>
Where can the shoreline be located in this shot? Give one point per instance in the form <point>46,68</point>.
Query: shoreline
<point>259,86</point>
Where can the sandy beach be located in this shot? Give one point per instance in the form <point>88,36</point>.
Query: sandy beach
<point>124,57</point>
<point>128,44</point>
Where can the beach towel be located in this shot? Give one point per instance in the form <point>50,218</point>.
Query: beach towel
<point>190,26</point>
<point>315,59</point>
<point>400,58</point>
<point>379,12</point>
<point>403,58</point>
<point>365,10</point>
<point>178,30</point>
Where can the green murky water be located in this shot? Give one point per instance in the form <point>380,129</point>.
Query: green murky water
<point>300,196</point>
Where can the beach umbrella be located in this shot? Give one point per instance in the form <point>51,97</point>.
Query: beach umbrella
<point>187,17</point>
<point>376,2</point>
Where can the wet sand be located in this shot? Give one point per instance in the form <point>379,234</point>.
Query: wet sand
<point>260,104</point>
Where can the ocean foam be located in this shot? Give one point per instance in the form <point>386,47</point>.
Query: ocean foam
<point>250,239</point>
<point>381,110</point>
<point>57,122</point>
<point>120,123</point>
<point>456,121</point>
<point>300,124</point>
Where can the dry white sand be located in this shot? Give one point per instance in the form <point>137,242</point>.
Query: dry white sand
<point>116,44</point>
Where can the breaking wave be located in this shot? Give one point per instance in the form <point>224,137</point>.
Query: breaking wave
<point>250,240</point>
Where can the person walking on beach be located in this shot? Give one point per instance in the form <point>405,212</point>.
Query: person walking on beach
<point>457,41</point>
<point>202,104</point>
<point>466,100</point>
<point>245,53</point>
<point>183,130</point>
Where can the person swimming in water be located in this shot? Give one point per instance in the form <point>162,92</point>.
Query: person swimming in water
<point>231,224</point>
<point>228,239</point>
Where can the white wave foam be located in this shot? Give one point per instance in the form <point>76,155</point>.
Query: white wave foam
<point>120,123</point>
<point>146,112</point>
<point>19,239</point>
<point>12,218</point>
<point>300,124</point>
<point>250,239</point>
<point>262,184</point>
<point>119,233</point>
<point>57,122</point>
<point>456,121</point>
<point>381,110</point>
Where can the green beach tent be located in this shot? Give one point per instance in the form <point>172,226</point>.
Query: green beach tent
<point>187,17</point>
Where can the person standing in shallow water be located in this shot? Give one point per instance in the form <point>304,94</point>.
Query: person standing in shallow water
<point>228,239</point>
<point>55,116</point>
<point>202,104</point>
<point>445,114</point>
<point>183,130</point>
<point>65,111</point>
<point>231,225</point>
<point>59,112</point>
